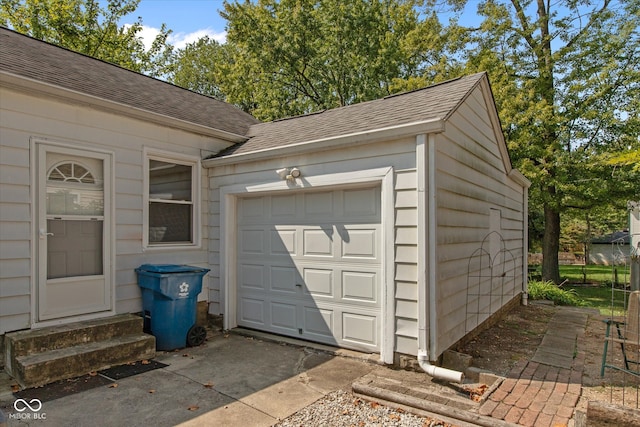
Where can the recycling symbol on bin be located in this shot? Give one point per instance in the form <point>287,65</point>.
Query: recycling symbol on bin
<point>184,289</point>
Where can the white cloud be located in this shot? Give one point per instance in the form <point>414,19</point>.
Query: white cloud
<point>180,40</point>
<point>148,35</point>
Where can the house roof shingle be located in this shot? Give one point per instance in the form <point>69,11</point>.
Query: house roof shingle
<point>27,57</point>
<point>433,102</point>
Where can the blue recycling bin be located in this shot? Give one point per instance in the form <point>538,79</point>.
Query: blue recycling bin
<point>169,299</point>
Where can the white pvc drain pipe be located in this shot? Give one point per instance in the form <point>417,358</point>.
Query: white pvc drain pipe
<point>437,371</point>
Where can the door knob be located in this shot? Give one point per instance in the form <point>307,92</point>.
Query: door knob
<point>43,233</point>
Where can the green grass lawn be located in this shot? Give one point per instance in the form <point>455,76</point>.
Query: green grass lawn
<point>602,274</point>
<point>592,285</point>
<point>600,297</point>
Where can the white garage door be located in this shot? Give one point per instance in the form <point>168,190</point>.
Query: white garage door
<point>309,266</point>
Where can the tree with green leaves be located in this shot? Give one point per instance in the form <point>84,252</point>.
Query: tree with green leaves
<point>86,27</point>
<point>291,57</point>
<point>200,67</point>
<point>566,78</point>
<point>285,58</point>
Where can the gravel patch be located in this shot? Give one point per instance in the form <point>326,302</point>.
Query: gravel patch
<point>343,409</point>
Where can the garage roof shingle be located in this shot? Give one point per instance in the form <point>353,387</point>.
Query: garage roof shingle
<point>433,102</point>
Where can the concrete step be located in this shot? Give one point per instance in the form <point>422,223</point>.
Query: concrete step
<point>40,356</point>
<point>42,368</point>
<point>31,341</point>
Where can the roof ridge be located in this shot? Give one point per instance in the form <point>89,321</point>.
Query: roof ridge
<point>393,95</point>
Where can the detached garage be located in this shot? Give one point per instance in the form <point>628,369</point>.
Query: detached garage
<point>367,226</point>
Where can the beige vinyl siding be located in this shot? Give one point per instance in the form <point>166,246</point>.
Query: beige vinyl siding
<point>406,258</point>
<point>15,228</point>
<point>213,233</point>
<point>471,180</point>
<point>26,116</point>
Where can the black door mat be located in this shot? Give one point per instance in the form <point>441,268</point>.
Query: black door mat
<point>131,369</point>
<point>71,386</point>
<point>63,388</point>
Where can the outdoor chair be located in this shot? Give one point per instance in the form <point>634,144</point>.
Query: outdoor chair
<point>627,335</point>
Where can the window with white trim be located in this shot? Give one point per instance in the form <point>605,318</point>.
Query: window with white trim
<point>173,201</point>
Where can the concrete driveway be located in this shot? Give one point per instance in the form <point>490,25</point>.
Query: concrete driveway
<point>231,380</point>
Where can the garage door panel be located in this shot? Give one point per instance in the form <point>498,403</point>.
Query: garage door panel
<point>284,279</point>
<point>251,209</point>
<point>360,286</point>
<point>360,328</point>
<point>251,276</point>
<point>318,282</point>
<point>283,241</point>
<point>360,243</point>
<point>361,202</point>
<point>251,241</point>
<point>318,242</point>
<point>252,312</point>
<point>319,204</point>
<point>284,316</point>
<point>319,322</point>
<point>283,207</point>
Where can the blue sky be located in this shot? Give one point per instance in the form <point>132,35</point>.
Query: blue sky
<point>189,19</point>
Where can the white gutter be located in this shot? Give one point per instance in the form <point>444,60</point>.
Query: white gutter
<point>426,171</point>
<point>350,139</point>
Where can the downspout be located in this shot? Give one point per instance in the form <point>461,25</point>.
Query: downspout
<point>426,171</point>
<point>525,183</point>
<point>525,244</point>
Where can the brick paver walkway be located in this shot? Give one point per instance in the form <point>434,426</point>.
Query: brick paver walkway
<point>545,390</point>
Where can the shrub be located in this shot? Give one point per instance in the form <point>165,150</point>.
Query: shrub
<point>547,290</point>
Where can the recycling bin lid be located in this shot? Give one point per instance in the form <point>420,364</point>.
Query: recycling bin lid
<point>169,268</point>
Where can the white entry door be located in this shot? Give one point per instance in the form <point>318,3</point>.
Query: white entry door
<point>309,265</point>
<point>74,251</point>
